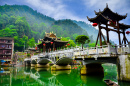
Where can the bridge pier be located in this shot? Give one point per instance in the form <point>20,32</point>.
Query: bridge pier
<point>60,67</point>
<point>42,65</point>
<point>27,63</point>
<point>124,68</point>
<point>33,65</point>
<point>92,69</point>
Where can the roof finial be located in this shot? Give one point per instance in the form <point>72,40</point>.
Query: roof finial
<point>126,14</point>
<point>106,5</point>
<point>88,18</point>
<point>99,10</point>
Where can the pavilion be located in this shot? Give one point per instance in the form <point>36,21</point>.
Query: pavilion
<point>51,42</point>
<point>110,20</point>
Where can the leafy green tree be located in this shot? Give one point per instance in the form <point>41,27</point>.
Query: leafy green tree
<point>31,42</point>
<point>12,20</point>
<point>22,26</point>
<point>28,55</point>
<point>74,36</point>
<point>82,39</point>
<point>8,32</point>
<point>104,43</point>
<point>18,43</point>
<point>25,39</point>
<point>71,42</point>
<point>92,44</point>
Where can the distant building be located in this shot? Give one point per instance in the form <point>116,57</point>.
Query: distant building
<point>51,42</point>
<point>6,49</point>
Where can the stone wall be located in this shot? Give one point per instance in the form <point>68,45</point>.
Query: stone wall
<point>124,68</point>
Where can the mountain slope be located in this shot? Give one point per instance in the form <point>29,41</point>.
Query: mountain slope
<point>91,30</point>
<point>40,23</point>
<point>23,10</point>
<point>70,28</point>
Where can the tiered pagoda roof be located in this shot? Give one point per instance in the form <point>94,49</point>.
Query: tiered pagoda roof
<point>102,17</point>
<point>51,37</point>
<point>110,14</point>
<point>99,19</point>
<point>107,15</point>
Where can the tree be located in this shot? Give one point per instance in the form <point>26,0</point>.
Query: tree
<point>82,39</point>
<point>18,43</point>
<point>71,42</point>
<point>31,42</point>
<point>92,44</point>
<point>7,32</point>
<point>104,43</point>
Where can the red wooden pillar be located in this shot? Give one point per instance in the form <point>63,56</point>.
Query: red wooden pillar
<point>124,36</point>
<point>44,48</point>
<point>107,33</point>
<point>54,46</point>
<point>100,38</point>
<point>118,33</point>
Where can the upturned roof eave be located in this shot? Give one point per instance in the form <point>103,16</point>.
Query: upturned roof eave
<point>123,26</point>
<point>96,20</point>
<point>120,17</point>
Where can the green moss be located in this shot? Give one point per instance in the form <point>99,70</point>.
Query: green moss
<point>127,64</point>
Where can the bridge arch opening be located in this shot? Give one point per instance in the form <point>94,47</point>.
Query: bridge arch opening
<point>107,70</point>
<point>110,71</point>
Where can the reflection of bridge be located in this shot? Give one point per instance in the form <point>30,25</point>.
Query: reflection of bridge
<point>92,58</point>
<point>45,77</point>
<point>61,78</point>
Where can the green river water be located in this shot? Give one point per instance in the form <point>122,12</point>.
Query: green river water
<point>28,76</point>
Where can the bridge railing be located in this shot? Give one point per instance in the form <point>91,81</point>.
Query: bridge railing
<point>123,49</point>
<point>105,49</point>
<point>98,50</point>
<point>62,53</point>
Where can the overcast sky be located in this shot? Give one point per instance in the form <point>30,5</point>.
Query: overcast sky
<point>76,9</point>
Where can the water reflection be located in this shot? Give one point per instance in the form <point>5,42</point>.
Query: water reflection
<point>93,80</point>
<point>5,77</point>
<point>60,72</point>
<point>30,76</point>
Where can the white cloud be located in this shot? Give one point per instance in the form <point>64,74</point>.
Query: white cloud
<point>58,10</point>
<point>53,8</point>
<point>101,4</point>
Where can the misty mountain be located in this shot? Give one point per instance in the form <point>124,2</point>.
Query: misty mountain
<point>32,16</point>
<point>88,27</point>
<point>40,23</point>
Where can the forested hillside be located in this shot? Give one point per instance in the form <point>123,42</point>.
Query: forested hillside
<point>68,28</point>
<point>89,28</point>
<point>26,25</point>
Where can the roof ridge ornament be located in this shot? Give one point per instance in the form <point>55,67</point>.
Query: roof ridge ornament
<point>88,18</point>
<point>126,14</point>
<point>106,5</point>
<point>99,10</point>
